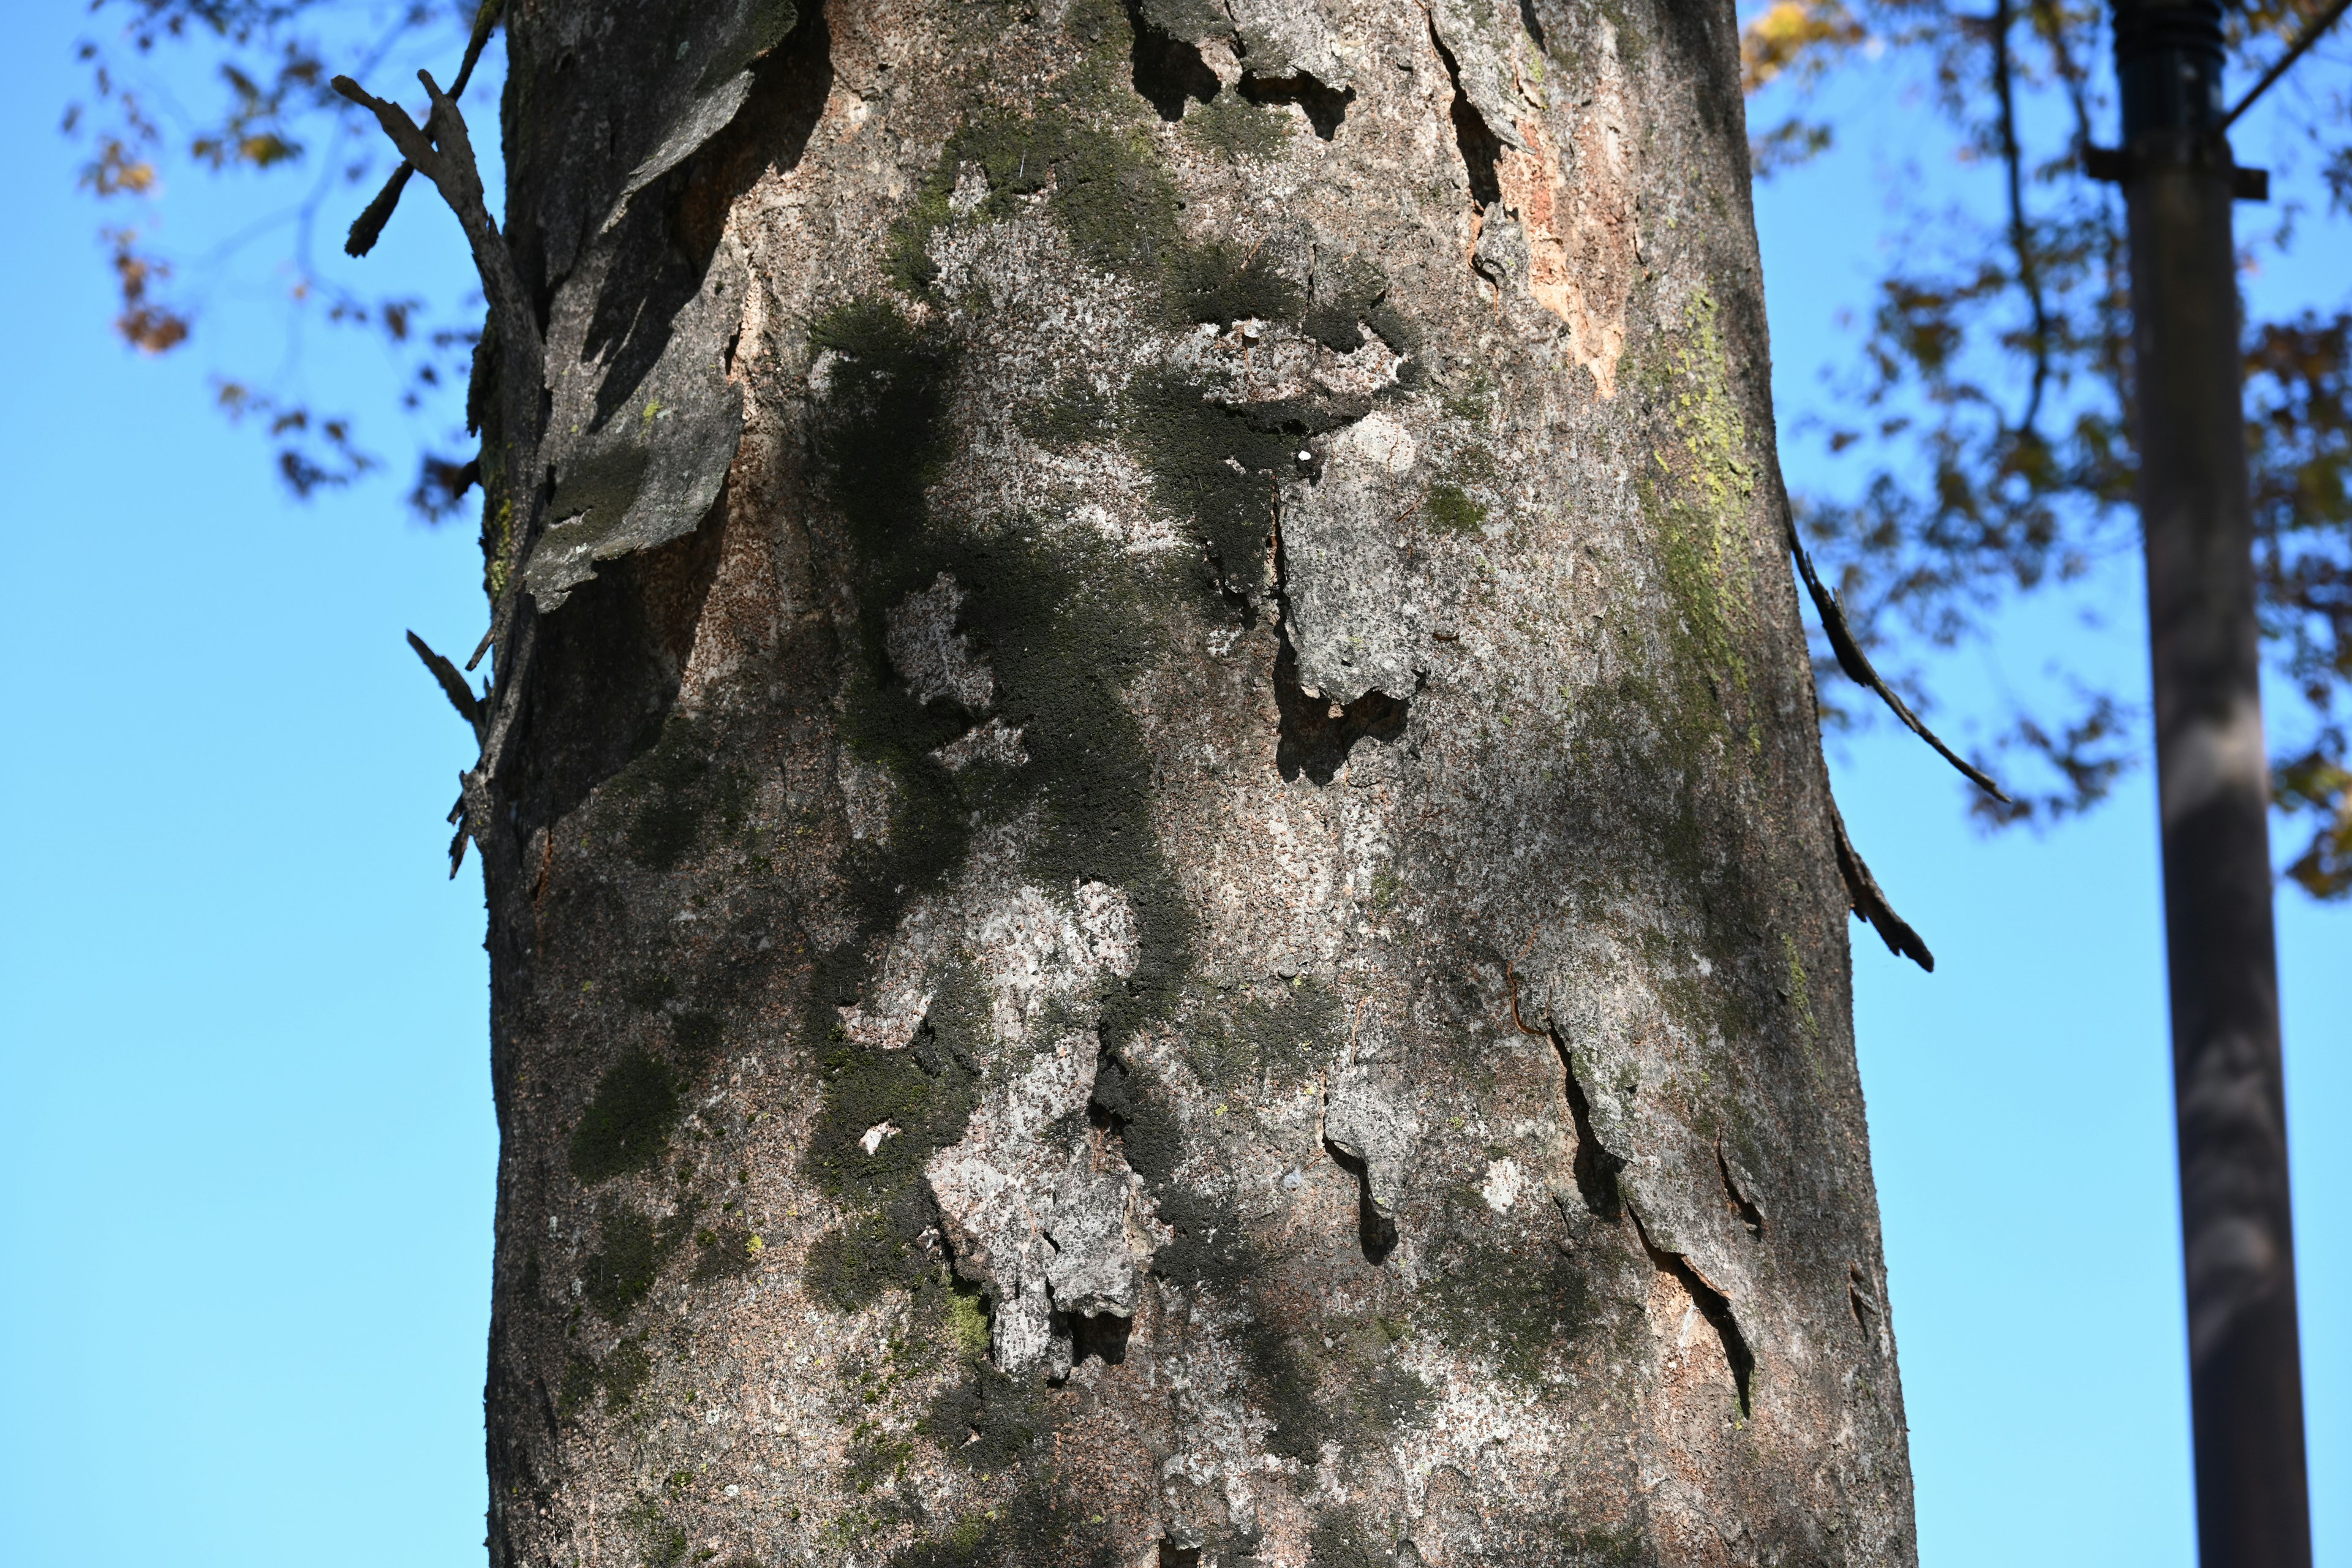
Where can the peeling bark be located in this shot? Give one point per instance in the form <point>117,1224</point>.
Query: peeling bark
<point>1161,890</point>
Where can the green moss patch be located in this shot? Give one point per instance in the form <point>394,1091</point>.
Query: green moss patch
<point>1109,192</point>
<point>628,1121</point>
<point>678,794</point>
<point>1451,510</point>
<point>629,1254</point>
<point>1229,124</point>
<point>1274,1038</point>
<point>1486,1299</point>
<point>1697,492</point>
<point>724,1252</point>
<point>625,1372</point>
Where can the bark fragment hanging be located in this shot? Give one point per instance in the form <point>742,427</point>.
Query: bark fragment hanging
<point>452,683</point>
<point>1870,903</point>
<point>1859,669</point>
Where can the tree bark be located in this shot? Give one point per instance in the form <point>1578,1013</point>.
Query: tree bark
<point>1161,889</point>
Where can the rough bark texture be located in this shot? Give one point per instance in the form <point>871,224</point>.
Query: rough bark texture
<point>1164,890</point>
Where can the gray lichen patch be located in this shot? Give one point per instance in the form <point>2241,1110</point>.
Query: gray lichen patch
<point>931,654</point>
<point>1034,1213</point>
<point>1351,611</point>
<point>995,742</point>
<point>1368,1116</point>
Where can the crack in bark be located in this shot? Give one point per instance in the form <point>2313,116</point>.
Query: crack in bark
<point>1166,70</point>
<point>1326,107</point>
<point>1375,1232</point>
<point>1481,149</point>
<point>1595,1167</point>
<point>1316,734</point>
<point>1746,1207</point>
<point>1712,1305</point>
<point>1863,1300</point>
<point>1099,1335</point>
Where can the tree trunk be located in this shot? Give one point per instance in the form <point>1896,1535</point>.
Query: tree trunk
<point>1160,883</point>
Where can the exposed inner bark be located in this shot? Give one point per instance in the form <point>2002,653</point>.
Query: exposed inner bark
<point>1714,1306</point>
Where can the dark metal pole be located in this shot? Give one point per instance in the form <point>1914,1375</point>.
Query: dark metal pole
<point>2229,1103</point>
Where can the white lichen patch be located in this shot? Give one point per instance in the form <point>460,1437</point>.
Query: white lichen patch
<point>1092,1240</point>
<point>1025,1215</point>
<point>1354,619</point>
<point>995,742</point>
<point>1501,1188</point>
<point>934,658</point>
<point>1265,362</point>
<point>866,797</point>
<point>1382,438</point>
<point>1032,952</point>
<point>970,189</point>
<point>1219,1440</point>
<point>1053,330</point>
<point>877,1135</point>
<point>1368,1116</point>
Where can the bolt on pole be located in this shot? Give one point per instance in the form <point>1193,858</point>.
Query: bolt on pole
<point>2229,1094</point>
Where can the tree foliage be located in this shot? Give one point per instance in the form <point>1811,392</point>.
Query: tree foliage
<point>232,96</point>
<point>1988,401</point>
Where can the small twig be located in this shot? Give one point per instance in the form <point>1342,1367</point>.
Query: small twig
<point>368,227</point>
<point>2302,42</point>
<point>1858,667</point>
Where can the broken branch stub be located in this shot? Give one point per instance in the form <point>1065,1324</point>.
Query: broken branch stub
<point>451,167</point>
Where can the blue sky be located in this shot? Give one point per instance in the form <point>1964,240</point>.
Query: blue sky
<point>244,1192</point>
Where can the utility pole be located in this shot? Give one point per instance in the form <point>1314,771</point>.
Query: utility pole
<point>2229,1096</point>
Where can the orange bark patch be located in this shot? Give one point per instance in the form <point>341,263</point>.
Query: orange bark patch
<point>1580,229</point>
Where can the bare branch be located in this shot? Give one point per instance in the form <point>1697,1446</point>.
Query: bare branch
<point>368,227</point>
<point>450,167</point>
